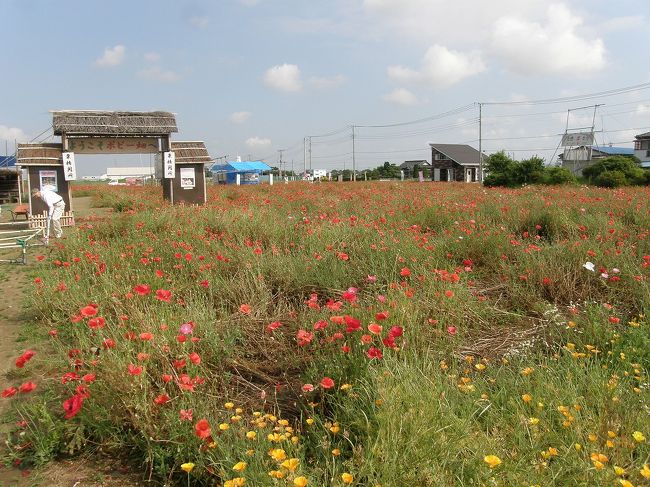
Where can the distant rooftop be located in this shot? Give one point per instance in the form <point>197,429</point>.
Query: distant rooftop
<point>615,151</point>
<point>240,166</point>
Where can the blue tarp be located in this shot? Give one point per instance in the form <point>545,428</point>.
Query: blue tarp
<point>7,161</point>
<point>243,166</point>
<point>615,151</point>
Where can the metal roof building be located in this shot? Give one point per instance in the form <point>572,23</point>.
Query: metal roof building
<point>246,171</point>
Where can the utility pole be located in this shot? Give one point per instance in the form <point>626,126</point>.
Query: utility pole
<point>354,165</point>
<point>310,152</point>
<point>304,156</point>
<point>480,142</point>
<point>280,163</point>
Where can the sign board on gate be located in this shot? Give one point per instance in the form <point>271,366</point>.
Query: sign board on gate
<point>578,138</point>
<point>169,165</point>
<point>113,145</point>
<point>69,167</point>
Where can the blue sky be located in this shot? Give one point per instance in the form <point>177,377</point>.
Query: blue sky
<point>250,77</point>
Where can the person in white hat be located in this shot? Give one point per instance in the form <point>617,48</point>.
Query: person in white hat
<point>55,206</point>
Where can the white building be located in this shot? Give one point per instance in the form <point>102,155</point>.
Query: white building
<point>116,173</point>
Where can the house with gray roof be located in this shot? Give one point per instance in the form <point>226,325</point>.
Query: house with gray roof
<point>455,162</point>
<point>642,149</point>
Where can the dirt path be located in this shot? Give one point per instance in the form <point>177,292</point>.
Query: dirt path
<point>12,290</point>
<point>14,286</point>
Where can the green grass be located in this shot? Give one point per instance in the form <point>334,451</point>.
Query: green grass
<point>484,284</point>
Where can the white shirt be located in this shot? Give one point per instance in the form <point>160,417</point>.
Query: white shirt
<point>50,198</point>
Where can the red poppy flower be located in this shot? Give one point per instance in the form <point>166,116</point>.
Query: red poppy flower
<point>451,330</point>
<point>327,383</point>
<point>204,283</point>
<point>97,322</point>
<point>374,353</point>
<point>245,308</point>
<point>69,376</point>
<point>146,336</point>
<point>375,329</point>
<point>88,311</point>
<point>382,315</point>
<point>320,325</point>
<point>352,324</point>
<point>10,391</point>
<point>142,289</point>
<point>161,399</point>
<point>89,378</point>
<point>273,326</point>
<point>134,370</point>
<point>396,331</point>
<point>73,405</point>
<point>166,378</point>
<point>108,343</point>
<point>307,388</point>
<point>164,295</point>
<point>195,358</point>
<point>350,295</point>
<point>24,358</point>
<point>304,337</point>
<point>202,428</point>
<point>185,414</point>
<point>405,272</point>
<point>27,387</point>
<point>334,305</point>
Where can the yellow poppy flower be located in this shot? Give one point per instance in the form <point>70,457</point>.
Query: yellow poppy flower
<point>492,461</point>
<point>240,466</point>
<point>290,464</point>
<point>300,481</point>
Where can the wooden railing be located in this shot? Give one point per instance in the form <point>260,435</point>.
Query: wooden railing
<point>40,221</point>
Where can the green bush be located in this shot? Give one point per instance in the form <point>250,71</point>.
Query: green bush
<point>611,179</point>
<point>559,175</point>
<point>628,167</point>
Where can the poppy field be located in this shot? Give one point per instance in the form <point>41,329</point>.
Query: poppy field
<point>369,334</point>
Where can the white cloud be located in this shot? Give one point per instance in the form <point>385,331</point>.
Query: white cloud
<point>327,82</point>
<point>112,56</point>
<point>556,47</point>
<point>258,142</point>
<point>462,23</point>
<point>152,57</point>
<point>285,77</point>
<point>239,117</point>
<point>440,68</point>
<point>642,109</point>
<point>156,73</point>
<point>401,96</point>
<point>200,21</point>
<point>12,133</point>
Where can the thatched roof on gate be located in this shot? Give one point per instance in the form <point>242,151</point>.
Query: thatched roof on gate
<point>93,122</point>
<point>190,152</point>
<point>39,154</point>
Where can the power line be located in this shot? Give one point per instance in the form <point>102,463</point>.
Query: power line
<point>589,96</point>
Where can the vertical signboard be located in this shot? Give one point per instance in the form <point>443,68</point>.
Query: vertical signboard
<point>169,165</point>
<point>69,167</point>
